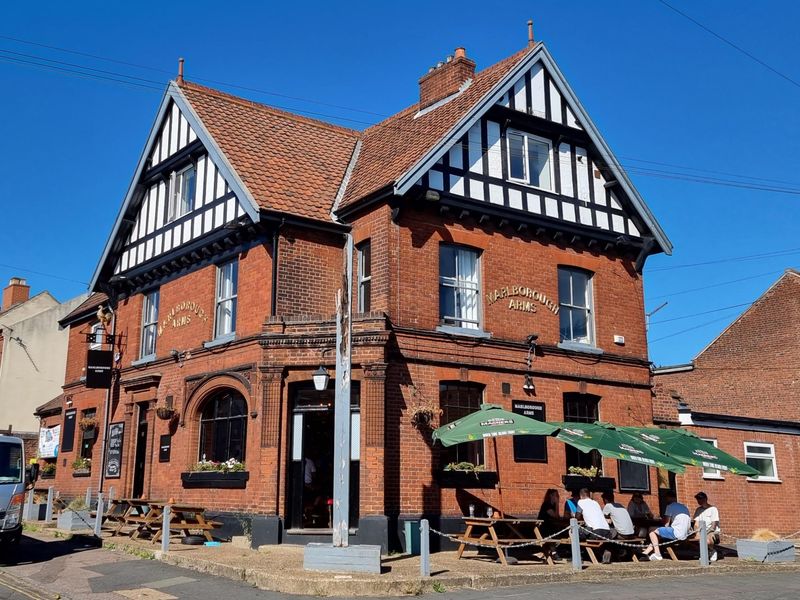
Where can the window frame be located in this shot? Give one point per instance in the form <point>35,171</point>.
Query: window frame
<point>479,445</point>
<point>526,162</point>
<point>593,458</point>
<point>453,322</point>
<point>710,472</point>
<point>364,281</point>
<point>228,395</point>
<point>177,203</point>
<point>95,345</point>
<point>149,325</point>
<point>630,464</point>
<point>772,456</point>
<point>233,299</point>
<point>591,332</point>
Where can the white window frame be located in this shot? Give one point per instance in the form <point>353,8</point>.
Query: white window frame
<point>525,163</point>
<point>459,284</point>
<point>771,455</point>
<point>178,205</point>
<point>709,472</point>
<point>220,299</point>
<point>95,345</point>
<point>363,280</point>
<point>589,308</point>
<point>148,325</point>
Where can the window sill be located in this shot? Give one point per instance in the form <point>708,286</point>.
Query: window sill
<point>579,347</point>
<point>81,472</point>
<point>466,479</point>
<point>145,360</point>
<point>220,341</point>
<point>714,477</point>
<point>475,333</point>
<point>215,479</point>
<point>764,480</point>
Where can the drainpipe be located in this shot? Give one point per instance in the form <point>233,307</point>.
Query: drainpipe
<point>274,294</point>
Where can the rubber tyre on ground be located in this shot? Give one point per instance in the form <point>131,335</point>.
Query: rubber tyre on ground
<point>193,540</point>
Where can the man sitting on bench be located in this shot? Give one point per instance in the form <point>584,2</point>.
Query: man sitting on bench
<point>709,514</point>
<point>676,528</point>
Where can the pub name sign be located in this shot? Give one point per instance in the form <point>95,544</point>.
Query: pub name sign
<point>182,314</point>
<point>521,298</point>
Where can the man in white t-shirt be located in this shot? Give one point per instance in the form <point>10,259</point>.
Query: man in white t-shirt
<point>710,515</point>
<point>593,517</point>
<point>620,518</point>
<point>677,527</point>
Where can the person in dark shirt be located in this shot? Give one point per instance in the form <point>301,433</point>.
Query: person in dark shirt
<point>549,516</point>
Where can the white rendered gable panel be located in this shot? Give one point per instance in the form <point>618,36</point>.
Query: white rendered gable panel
<point>175,134</point>
<point>582,165</point>
<point>538,106</point>
<point>520,95</point>
<point>565,169</point>
<point>494,152</point>
<point>475,149</point>
<point>555,103</point>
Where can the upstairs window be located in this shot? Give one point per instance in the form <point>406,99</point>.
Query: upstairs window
<point>459,287</point>
<point>225,306</point>
<point>529,159</point>
<point>575,306</point>
<point>182,191</point>
<point>364,276</point>
<point>149,324</point>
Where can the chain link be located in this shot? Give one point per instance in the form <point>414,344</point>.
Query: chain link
<point>539,542</point>
<point>635,546</point>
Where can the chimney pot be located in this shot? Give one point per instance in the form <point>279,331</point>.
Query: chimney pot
<point>446,78</point>
<point>17,292</point>
<point>461,52</point>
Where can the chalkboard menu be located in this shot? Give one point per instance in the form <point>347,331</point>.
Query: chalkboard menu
<point>114,457</point>
<point>530,448</point>
<point>164,446</point>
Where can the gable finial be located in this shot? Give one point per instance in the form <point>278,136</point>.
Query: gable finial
<point>531,43</point>
<point>180,71</point>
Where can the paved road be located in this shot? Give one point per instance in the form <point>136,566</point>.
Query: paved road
<point>46,569</point>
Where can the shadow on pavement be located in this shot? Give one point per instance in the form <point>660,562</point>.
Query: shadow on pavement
<point>31,550</point>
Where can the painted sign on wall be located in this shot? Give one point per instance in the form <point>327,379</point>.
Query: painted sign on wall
<point>521,298</point>
<point>49,438</point>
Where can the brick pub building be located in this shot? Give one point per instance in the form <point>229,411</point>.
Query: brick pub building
<point>742,394</point>
<point>498,255</point>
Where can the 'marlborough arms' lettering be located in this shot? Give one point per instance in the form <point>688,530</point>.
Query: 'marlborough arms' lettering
<point>175,319</point>
<point>522,305</point>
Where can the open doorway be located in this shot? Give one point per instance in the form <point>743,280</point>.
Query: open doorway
<point>310,505</point>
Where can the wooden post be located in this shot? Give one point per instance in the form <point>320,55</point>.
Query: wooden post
<point>98,520</point>
<point>575,543</point>
<point>703,544</point>
<point>48,512</point>
<point>165,518</point>
<point>341,427</point>
<point>424,548</point>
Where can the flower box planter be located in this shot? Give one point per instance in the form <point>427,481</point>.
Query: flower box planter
<point>772,551</point>
<point>81,472</point>
<point>47,476</point>
<point>73,520</point>
<point>466,479</point>
<point>215,479</point>
<point>593,484</point>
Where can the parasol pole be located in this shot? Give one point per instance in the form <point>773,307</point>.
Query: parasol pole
<point>499,488</point>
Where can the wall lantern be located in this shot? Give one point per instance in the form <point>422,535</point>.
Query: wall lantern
<point>320,378</point>
<point>529,386</point>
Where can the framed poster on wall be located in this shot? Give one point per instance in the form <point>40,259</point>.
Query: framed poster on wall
<point>114,455</point>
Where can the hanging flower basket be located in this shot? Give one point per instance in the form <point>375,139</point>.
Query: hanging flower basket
<point>164,413</point>
<point>87,423</point>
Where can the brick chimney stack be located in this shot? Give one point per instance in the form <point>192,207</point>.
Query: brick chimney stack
<point>18,291</point>
<point>445,78</point>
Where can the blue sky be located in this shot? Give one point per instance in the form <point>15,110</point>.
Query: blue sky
<point>659,88</point>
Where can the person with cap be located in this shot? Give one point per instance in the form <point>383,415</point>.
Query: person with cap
<point>676,526</point>
<point>710,515</point>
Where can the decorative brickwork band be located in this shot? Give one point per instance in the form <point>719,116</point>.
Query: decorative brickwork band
<point>271,384</point>
<point>372,404</point>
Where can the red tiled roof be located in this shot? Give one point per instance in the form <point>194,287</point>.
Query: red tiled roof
<point>289,163</point>
<point>86,307</point>
<point>395,145</point>
<point>53,406</point>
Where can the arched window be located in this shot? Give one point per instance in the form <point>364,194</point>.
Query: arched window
<point>223,427</point>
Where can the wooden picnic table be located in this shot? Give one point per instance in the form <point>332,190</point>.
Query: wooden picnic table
<point>122,513</point>
<point>512,530</point>
<point>184,518</point>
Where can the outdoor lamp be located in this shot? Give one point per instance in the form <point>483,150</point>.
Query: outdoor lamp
<point>529,386</point>
<point>320,378</point>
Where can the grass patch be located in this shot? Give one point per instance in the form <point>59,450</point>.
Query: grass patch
<point>438,587</point>
<point>30,527</point>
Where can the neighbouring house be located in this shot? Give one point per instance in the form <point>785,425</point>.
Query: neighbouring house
<point>499,248</point>
<point>742,394</point>
<point>33,355</point>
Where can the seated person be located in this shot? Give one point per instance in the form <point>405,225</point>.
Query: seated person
<point>709,514</point>
<point>638,510</point>
<point>677,527</point>
<point>620,519</point>
<point>593,518</point>
<point>548,514</point>
<point>571,507</point>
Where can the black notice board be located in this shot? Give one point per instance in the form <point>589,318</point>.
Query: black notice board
<point>98,368</point>
<point>530,448</point>
<point>68,433</point>
<point>164,447</point>
<point>114,456</point>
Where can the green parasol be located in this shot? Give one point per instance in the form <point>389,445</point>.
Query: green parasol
<point>690,449</point>
<point>489,421</point>
<point>613,443</point>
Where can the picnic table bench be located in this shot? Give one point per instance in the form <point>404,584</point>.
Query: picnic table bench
<point>513,530</point>
<point>145,517</point>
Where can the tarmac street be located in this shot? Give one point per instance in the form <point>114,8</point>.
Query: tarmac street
<point>49,569</point>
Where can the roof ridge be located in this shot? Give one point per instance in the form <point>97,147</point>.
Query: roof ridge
<point>192,86</point>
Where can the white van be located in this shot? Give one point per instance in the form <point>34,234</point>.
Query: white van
<point>15,478</point>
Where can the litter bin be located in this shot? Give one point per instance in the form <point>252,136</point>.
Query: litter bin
<point>411,530</point>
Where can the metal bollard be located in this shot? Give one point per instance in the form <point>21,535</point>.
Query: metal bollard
<point>165,518</point>
<point>98,520</point>
<point>703,544</point>
<point>29,507</point>
<point>89,497</point>
<point>424,548</point>
<point>48,512</point>
<point>575,544</point>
